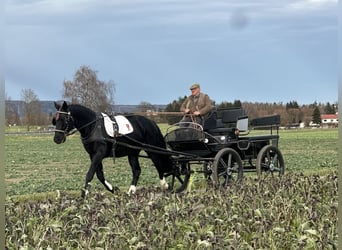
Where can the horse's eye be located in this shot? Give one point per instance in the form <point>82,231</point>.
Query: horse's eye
<point>54,121</point>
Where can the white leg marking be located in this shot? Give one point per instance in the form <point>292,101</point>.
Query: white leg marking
<point>86,191</point>
<point>109,185</point>
<point>132,189</point>
<point>164,184</point>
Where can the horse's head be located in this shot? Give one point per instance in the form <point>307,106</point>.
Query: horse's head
<point>63,122</point>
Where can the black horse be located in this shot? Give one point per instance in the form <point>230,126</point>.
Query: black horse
<point>99,145</point>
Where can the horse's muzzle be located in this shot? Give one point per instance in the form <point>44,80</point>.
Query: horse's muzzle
<point>59,139</point>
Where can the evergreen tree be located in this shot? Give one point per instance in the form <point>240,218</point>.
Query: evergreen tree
<point>175,105</point>
<point>292,105</point>
<point>316,116</point>
<point>329,109</point>
<point>228,105</point>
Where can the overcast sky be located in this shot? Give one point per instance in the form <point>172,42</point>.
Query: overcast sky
<point>250,50</point>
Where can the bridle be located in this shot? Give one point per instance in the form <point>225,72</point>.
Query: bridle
<point>69,123</point>
<point>70,130</point>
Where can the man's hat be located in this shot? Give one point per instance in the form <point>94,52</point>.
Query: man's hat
<point>194,85</point>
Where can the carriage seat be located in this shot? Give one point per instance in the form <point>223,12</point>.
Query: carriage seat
<point>271,120</point>
<point>231,119</point>
<point>210,121</point>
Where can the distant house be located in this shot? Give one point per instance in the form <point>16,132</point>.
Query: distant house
<point>329,120</point>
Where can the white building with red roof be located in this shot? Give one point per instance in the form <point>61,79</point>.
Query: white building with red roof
<point>329,120</point>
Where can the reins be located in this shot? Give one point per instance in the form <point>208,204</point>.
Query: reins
<point>150,148</point>
<point>138,144</point>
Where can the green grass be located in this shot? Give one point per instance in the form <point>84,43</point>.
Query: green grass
<point>36,164</point>
<point>309,150</point>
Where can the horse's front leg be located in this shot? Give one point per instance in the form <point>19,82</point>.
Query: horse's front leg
<point>96,160</point>
<point>136,170</point>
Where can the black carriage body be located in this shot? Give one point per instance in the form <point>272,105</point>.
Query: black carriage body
<point>225,134</point>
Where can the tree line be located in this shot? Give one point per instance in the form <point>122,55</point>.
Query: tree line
<point>88,90</point>
<point>291,113</point>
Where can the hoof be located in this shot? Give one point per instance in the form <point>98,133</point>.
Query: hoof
<point>164,184</point>
<point>84,193</point>
<point>132,190</point>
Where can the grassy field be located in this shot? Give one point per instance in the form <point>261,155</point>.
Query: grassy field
<point>36,164</point>
<point>43,209</point>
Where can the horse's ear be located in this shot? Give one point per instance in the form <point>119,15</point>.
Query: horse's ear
<point>64,106</point>
<point>57,106</point>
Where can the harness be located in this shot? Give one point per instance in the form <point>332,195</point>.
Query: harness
<point>98,133</point>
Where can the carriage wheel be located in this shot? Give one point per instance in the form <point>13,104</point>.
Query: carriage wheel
<point>270,161</point>
<point>180,178</point>
<point>227,167</point>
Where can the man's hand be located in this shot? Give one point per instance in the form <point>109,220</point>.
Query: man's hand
<point>187,111</point>
<point>197,113</point>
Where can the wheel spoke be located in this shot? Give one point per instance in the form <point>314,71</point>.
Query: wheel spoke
<point>223,173</point>
<point>265,166</point>
<point>275,159</point>
<point>224,165</point>
<point>267,157</point>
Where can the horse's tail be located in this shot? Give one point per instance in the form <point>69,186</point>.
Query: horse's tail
<point>165,158</point>
<point>155,137</point>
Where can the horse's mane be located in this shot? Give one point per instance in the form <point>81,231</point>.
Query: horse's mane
<point>80,109</point>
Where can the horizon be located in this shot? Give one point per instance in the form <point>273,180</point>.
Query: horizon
<point>216,103</point>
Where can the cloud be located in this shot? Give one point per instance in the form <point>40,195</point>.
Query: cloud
<point>153,12</point>
<point>313,4</point>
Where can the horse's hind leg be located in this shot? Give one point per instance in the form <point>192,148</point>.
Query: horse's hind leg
<point>158,163</point>
<point>136,170</point>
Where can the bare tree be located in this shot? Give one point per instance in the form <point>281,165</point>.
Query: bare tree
<point>11,112</point>
<point>88,90</point>
<point>146,106</point>
<point>32,107</point>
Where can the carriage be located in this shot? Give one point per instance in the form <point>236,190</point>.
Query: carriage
<point>225,148</point>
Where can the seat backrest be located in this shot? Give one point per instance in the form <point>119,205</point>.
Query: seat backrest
<point>219,123</point>
<point>266,121</point>
<point>210,121</point>
<point>232,115</point>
